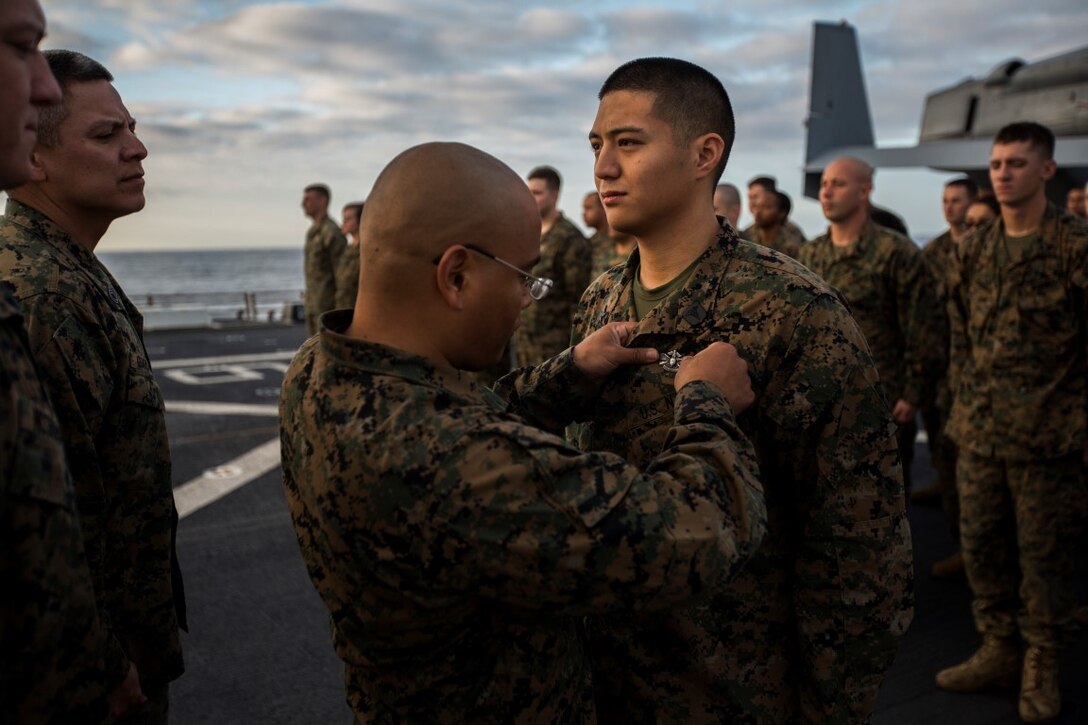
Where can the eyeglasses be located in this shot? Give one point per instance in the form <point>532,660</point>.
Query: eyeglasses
<point>538,286</point>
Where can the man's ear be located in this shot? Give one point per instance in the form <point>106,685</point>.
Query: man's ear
<point>37,167</point>
<point>709,149</point>
<point>1050,167</point>
<point>450,276</point>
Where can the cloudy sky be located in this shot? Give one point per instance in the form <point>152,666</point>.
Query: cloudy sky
<point>242,103</point>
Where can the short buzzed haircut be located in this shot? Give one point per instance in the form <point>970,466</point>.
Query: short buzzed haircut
<point>767,183</point>
<point>320,190</point>
<point>784,204</point>
<point>966,184</point>
<point>730,192</point>
<point>68,67</point>
<point>1035,134</point>
<point>550,176</point>
<point>686,97</point>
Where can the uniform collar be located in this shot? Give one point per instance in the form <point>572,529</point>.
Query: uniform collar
<point>856,248</point>
<point>45,230</point>
<point>1048,228</point>
<point>383,360</point>
<point>688,310</point>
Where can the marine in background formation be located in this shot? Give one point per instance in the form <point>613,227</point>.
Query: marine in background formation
<point>809,626</point>
<point>956,199</point>
<point>759,189</point>
<point>456,542</point>
<point>347,271</point>
<point>1018,307</point>
<point>891,294</point>
<point>86,337</point>
<point>567,259</point>
<point>771,227</point>
<point>1075,202</point>
<point>325,245</point>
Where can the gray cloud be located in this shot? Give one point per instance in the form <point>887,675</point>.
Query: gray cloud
<point>517,78</point>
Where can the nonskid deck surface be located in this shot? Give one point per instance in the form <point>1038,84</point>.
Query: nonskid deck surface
<point>259,649</point>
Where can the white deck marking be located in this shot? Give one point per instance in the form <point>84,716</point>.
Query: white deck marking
<point>201,407</point>
<point>215,483</point>
<point>190,362</point>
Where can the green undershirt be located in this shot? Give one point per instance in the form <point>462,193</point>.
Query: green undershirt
<point>647,299</point>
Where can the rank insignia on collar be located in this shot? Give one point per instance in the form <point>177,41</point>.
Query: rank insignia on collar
<point>669,361</point>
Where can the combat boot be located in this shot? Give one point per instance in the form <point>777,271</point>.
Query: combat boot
<point>1040,700</point>
<point>997,662</point>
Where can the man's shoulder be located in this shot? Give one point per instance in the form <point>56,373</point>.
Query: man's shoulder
<point>760,268</point>
<point>939,245</point>
<point>1072,230</point>
<point>564,229</point>
<point>795,232</point>
<point>890,239</point>
<point>35,269</point>
<point>820,244</point>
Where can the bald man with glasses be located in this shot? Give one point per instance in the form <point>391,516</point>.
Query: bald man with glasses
<point>455,537</point>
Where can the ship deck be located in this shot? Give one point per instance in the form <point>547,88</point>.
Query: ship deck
<point>258,649</point>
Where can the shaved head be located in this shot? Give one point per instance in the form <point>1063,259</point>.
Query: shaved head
<point>844,189</point>
<point>445,231</point>
<point>854,167</point>
<point>435,195</point>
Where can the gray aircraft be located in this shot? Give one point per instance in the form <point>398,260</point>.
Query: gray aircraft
<point>958,122</point>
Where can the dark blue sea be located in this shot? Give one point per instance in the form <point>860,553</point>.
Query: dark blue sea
<point>199,274</point>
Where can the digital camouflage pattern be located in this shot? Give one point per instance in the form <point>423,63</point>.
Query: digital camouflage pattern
<point>808,628</point>
<point>456,545</point>
<point>938,254</point>
<point>325,245</point>
<point>56,653</point>
<point>787,239</point>
<point>567,259</point>
<point>86,338</point>
<point>347,278</point>
<point>1020,378</point>
<point>891,294</point>
<point>1018,518</point>
<point>1018,342</point>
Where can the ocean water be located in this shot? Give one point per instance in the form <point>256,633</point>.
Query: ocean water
<point>170,277</point>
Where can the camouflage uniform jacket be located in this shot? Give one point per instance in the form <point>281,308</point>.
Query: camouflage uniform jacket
<point>325,244</point>
<point>347,277</point>
<point>807,629</point>
<point>87,341</point>
<point>565,258</point>
<point>452,542</point>
<point>892,295</point>
<point>1018,342</point>
<point>939,254</point>
<point>51,637</point>
<point>788,239</point>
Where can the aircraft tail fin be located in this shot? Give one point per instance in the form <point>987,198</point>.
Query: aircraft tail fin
<point>838,113</point>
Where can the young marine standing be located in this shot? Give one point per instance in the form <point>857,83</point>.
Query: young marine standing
<point>1018,305</point>
<point>807,629</point>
